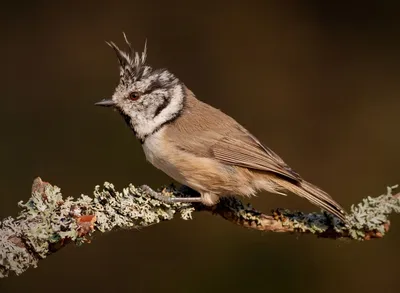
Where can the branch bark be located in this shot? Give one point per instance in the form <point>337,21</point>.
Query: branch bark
<point>48,222</point>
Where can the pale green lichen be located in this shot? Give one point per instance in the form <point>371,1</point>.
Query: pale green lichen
<point>372,213</point>
<point>47,221</point>
<point>366,218</point>
<point>131,208</point>
<point>369,216</point>
<point>13,254</point>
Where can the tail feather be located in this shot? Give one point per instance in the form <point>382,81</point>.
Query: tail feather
<point>316,196</point>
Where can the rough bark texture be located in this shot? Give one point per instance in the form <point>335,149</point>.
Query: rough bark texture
<point>47,221</point>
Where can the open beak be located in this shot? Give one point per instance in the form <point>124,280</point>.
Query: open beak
<point>105,103</point>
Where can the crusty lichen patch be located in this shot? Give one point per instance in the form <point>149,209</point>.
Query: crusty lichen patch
<point>368,219</point>
<point>48,222</point>
<point>130,208</point>
<point>372,213</point>
<point>13,254</point>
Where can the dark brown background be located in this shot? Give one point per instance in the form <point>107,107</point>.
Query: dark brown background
<point>318,83</point>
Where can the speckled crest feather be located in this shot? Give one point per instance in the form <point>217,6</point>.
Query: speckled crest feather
<point>132,64</point>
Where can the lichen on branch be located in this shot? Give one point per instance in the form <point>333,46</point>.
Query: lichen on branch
<point>47,221</point>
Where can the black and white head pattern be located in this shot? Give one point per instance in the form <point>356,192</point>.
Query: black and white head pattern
<point>147,99</point>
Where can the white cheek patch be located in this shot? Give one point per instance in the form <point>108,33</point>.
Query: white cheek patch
<point>147,124</point>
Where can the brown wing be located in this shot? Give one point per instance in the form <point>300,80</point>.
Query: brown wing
<point>206,131</point>
<point>240,148</point>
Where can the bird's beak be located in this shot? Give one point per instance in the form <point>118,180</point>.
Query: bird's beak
<point>105,103</point>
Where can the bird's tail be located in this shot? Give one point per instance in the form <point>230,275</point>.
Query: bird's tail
<point>316,196</point>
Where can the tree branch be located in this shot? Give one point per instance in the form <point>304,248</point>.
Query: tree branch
<point>47,222</point>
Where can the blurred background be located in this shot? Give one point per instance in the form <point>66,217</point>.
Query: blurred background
<point>317,82</point>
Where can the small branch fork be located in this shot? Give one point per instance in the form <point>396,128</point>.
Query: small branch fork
<point>47,221</point>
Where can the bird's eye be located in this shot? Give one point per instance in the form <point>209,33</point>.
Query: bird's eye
<point>133,96</point>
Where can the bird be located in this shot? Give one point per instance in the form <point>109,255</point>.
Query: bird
<point>196,144</point>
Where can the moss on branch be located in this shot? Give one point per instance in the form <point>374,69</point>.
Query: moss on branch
<point>47,221</point>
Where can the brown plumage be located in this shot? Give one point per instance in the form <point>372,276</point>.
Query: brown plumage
<point>210,152</point>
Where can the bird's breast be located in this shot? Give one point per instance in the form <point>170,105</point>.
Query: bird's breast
<point>153,148</point>
<point>158,152</point>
